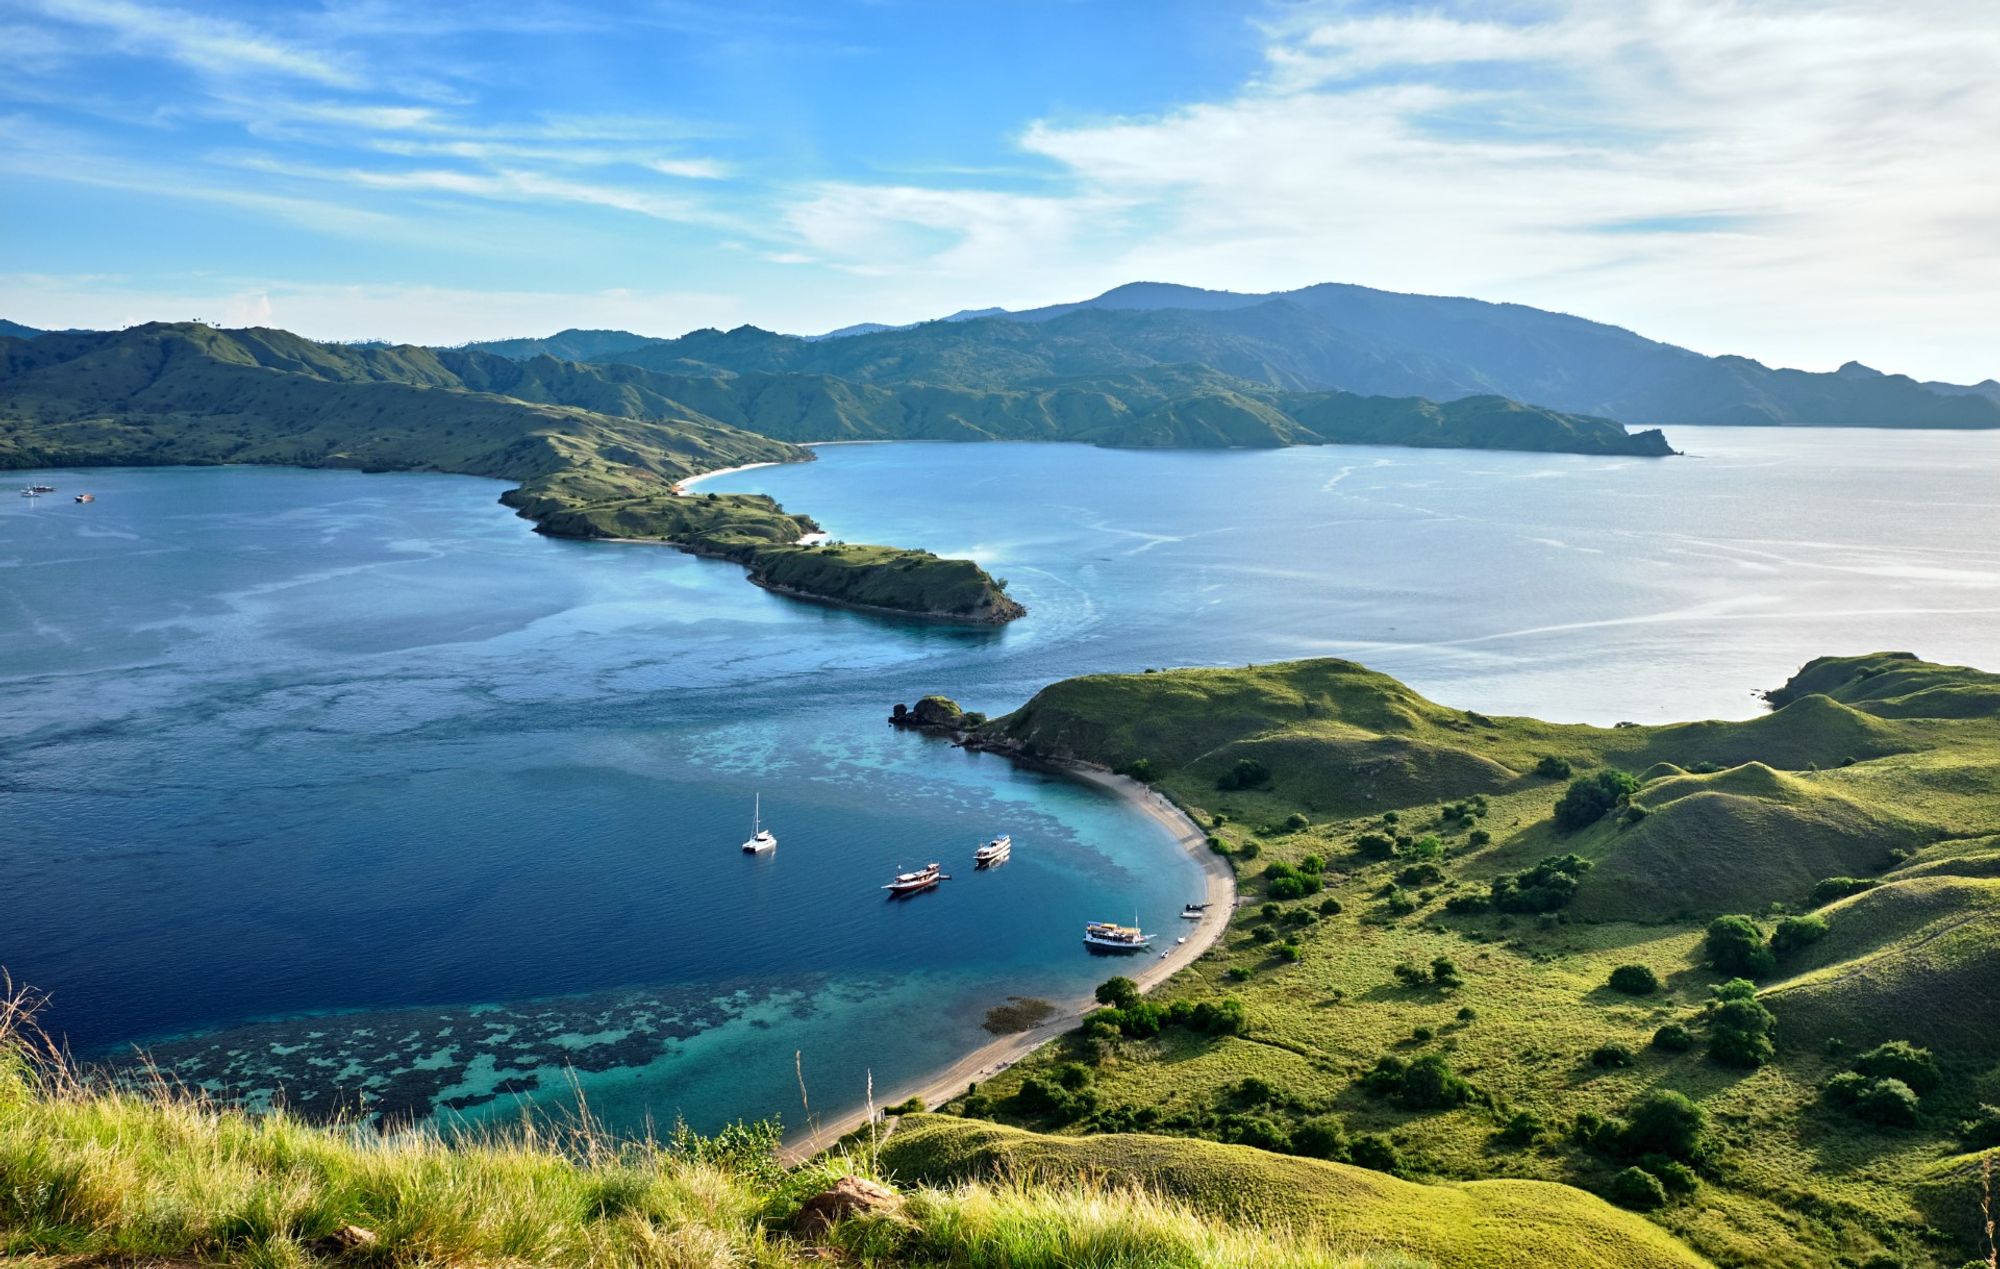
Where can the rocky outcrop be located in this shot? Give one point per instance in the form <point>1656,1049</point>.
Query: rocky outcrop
<point>849,1197</point>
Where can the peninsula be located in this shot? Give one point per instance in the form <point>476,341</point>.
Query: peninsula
<point>169,394</point>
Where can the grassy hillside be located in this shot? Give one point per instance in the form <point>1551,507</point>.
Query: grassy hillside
<point>1425,950</point>
<point>1482,1225</point>
<point>172,394</point>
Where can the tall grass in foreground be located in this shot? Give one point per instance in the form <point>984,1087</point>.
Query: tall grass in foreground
<point>163,1171</point>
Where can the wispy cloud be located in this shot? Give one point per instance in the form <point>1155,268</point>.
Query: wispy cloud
<point>200,41</point>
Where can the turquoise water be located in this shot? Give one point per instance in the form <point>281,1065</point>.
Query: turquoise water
<point>352,784</point>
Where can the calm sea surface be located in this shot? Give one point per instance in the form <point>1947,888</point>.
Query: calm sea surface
<point>354,785</point>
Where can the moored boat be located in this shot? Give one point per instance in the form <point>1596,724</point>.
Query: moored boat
<point>761,838</point>
<point>993,852</point>
<point>911,882</point>
<point>1109,936</point>
<point>1194,911</point>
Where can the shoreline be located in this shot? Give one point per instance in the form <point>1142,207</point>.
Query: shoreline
<point>682,485</point>
<point>1001,1052</point>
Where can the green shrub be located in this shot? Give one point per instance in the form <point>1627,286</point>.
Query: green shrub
<point>1796,932</point>
<point>1140,769</point>
<point>1296,822</point>
<point>1676,1177</point>
<point>1398,902</point>
<point>1522,1128</point>
<point>1444,971</point>
<point>1117,992</point>
<point>1635,980</point>
<point>1429,846</point>
<point>1329,907</point>
<point>1611,1055</point>
<point>1740,1033</point>
<point>1549,885</point>
<point>1982,1131</point>
<point>1291,951</point>
<point>1314,864</point>
<point>1240,974</point>
<point>1263,933</point>
<point>1890,1102</point>
<point>1249,851</point>
<point>1296,886</point>
<point>1831,888</point>
<point>1375,1151</point>
<point>1376,845</point>
<point>1321,1137</point>
<point>1665,1123</point>
<point>1673,1038</point>
<point>1638,1189</point>
<point>1478,837</point>
<point>1420,875</point>
<point>1248,773</point>
<point>1468,904</point>
<point>1554,768</point>
<point>1901,1060</point>
<point>1256,1130</point>
<point>1428,1083</point>
<point>1735,945</point>
<point>1589,797</point>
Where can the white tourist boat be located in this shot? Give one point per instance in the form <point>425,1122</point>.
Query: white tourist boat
<point>993,852</point>
<point>1109,936</point>
<point>761,838</point>
<point>912,882</point>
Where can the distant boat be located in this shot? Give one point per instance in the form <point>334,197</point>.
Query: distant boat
<point>1194,911</point>
<point>1108,936</point>
<point>761,838</point>
<point>993,852</point>
<point>86,497</point>
<point>912,882</point>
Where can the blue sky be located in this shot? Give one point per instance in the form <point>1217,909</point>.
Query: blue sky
<point>1800,182</point>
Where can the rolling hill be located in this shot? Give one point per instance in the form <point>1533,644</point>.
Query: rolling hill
<point>1413,903</point>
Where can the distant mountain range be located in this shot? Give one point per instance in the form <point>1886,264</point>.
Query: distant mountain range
<point>1331,336</point>
<point>274,381</point>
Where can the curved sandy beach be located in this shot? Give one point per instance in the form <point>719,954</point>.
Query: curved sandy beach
<point>1003,1051</point>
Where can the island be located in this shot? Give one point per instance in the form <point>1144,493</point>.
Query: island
<point>184,393</point>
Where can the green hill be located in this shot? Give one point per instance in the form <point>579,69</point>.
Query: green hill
<point>1915,959</point>
<point>176,394</point>
<point>1409,894</point>
<point>1481,1225</point>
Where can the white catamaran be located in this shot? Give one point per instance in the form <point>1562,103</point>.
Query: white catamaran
<point>761,838</point>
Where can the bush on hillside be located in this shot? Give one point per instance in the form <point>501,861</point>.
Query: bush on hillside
<point>1736,946</point>
<point>1296,886</point>
<point>1444,972</point>
<point>1420,875</point>
<point>1248,773</point>
<point>1739,1033</point>
<point>1549,885</point>
<point>1260,1131</point>
<point>1329,907</point>
<point>1429,846</point>
<point>1468,904</point>
<point>1638,1189</point>
<point>1982,1131</point>
<point>1322,1137</point>
<point>1611,1055</point>
<point>1554,768</point>
<point>1888,1102</point>
<point>1901,1060</point>
<point>1635,980</point>
<point>1296,822</point>
<point>1375,1151</point>
<point>1665,1123</point>
<point>1140,769</point>
<point>1828,889</point>
<point>1677,1177</point>
<point>1522,1128</point>
<point>1796,932</point>
<point>1589,797</point>
<point>1375,845</point>
<point>1673,1038</point>
<point>1314,864</point>
<point>1478,837</point>
<point>1428,1083</point>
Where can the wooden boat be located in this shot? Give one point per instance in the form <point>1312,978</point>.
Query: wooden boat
<point>912,882</point>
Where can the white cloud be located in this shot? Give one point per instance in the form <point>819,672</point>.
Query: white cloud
<point>396,312</point>
<point>1796,181</point>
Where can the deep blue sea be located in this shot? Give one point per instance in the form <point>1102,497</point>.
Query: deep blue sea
<point>353,784</point>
